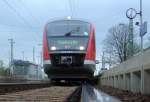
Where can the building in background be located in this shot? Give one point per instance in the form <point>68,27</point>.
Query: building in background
<point>27,70</point>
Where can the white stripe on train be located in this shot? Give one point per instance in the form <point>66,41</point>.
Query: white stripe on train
<point>85,62</point>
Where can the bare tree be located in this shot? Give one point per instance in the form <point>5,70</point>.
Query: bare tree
<point>117,43</point>
<point>148,39</point>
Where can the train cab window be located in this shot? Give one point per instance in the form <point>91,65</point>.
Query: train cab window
<point>68,28</point>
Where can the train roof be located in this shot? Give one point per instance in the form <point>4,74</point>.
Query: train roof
<point>73,19</point>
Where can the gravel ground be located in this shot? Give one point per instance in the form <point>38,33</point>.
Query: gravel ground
<point>125,96</point>
<point>50,94</point>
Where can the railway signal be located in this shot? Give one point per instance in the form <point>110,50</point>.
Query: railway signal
<point>143,29</point>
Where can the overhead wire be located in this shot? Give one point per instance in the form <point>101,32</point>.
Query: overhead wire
<point>17,13</point>
<point>74,7</point>
<point>71,8</point>
<point>33,17</point>
<point>29,11</point>
<point>20,16</point>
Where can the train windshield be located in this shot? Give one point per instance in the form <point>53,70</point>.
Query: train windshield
<point>68,28</point>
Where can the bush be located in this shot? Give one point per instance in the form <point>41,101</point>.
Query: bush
<point>3,72</point>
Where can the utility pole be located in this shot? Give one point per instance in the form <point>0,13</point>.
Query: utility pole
<point>41,55</point>
<point>22,55</point>
<point>38,59</point>
<point>103,60</point>
<point>141,35</point>
<point>33,54</point>
<point>41,58</point>
<point>110,61</point>
<point>141,22</point>
<point>11,54</point>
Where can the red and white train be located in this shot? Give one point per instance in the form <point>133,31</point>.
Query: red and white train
<point>69,49</point>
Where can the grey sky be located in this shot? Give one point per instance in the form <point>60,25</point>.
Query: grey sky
<point>24,20</point>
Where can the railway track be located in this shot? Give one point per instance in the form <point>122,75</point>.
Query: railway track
<point>22,92</point>
<point>15,87</point>
<point>59,92</point>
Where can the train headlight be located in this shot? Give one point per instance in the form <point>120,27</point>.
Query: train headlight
<point>53,48</point>
<point>69,17</point>
<point>81,48</point>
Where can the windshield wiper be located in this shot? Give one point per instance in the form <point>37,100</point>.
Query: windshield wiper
<point>73,30</point>
<point>68,33</point>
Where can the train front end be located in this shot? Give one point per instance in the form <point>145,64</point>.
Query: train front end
<point>69,50</point>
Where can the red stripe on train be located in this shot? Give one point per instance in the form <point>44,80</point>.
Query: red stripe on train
<point>91,50</point>
<point>45,46</point>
